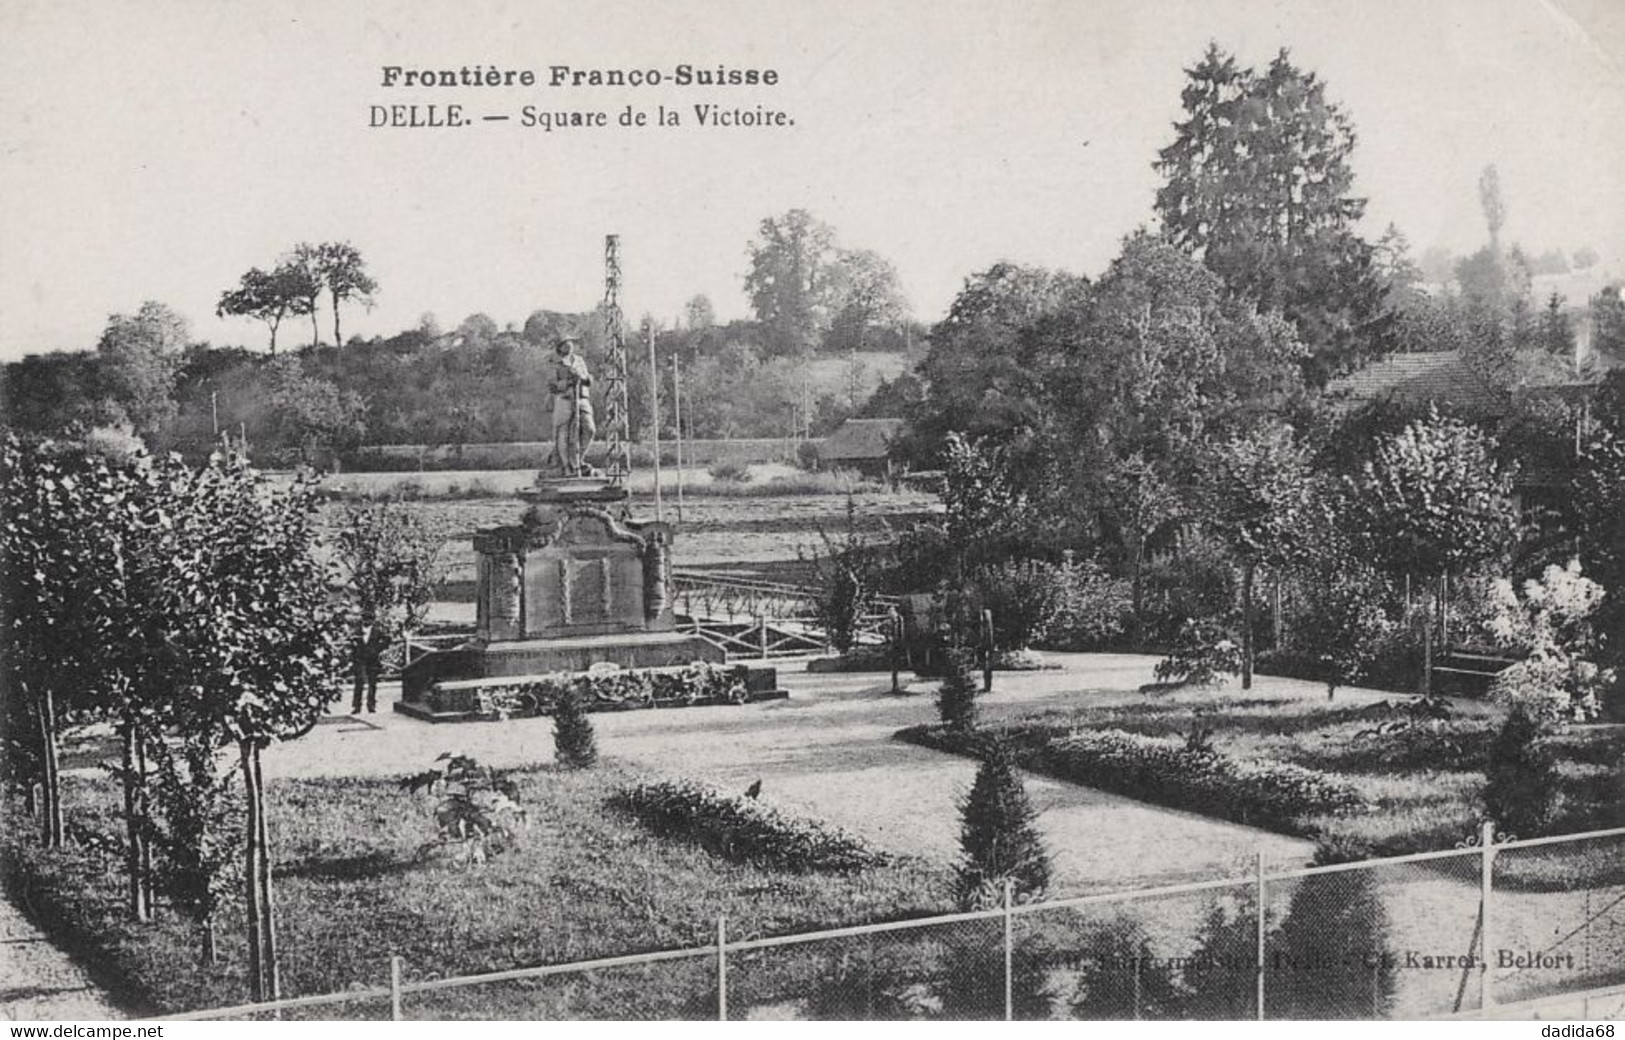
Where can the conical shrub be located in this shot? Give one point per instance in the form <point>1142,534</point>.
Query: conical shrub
<point>998,833</point>
<point>573,741</point>
<point>956,697</point>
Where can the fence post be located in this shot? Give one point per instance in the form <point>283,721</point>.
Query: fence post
<point>895,622</point>
<point>722,967</point>
<point>1262,906</point>
<point>1009,953</point>
<point>395,989</point>
<point>1486,889</point>
<point>761,622</point>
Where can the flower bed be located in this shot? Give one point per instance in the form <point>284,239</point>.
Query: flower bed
<point>697,683</point>
<point>744,828</point>
<point>1166,771</point>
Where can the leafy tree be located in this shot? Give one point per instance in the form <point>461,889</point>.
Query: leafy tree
<point>312,417</point>
<point>1599,490</point>
<point>698,314</point>
<point>864,293</point>
<point>139,357</point>
<point>344,273</point>
<point>982,502</point>
<point>1141,502</point>
<point>52,553</point>
<point>1608,323</point>
<point>980,378</point>
<point>387,559</point>
<point>1260,495</point>
<point>306,258</point>
<point>788,280</point>
<point>572,733</point>
<point>1258,184</point>
<point>269,296</point>
<point>1435,502</point>
<point>999,835</point>
<point>1343,626</point>
<point>263,638</point>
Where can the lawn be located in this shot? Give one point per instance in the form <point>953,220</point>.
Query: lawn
<point>352,888</point>
<point>1421,783</point>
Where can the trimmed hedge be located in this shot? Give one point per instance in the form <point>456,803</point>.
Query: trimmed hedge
<point>1165,771</point>
<point>740,827</point>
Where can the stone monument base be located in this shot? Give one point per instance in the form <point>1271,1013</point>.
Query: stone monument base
<point>476,660</point>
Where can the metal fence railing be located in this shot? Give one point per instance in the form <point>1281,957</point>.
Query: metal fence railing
<point>1493,928</point>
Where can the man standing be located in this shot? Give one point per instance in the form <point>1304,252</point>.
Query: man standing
<point>573,425</point>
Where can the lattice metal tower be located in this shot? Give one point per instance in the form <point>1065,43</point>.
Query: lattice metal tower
<point>617,414</point>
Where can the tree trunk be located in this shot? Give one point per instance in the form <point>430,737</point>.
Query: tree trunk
<point>338,341</point>
<point>273,975</point>
<point>211,952</point>
<point>315,329</point>
<point>1247,571</point>
<point>135,831</point>
<point>251,874</point>
<point>1137,597</point>
<point>147,874</point>
<point>273,337</point>
<point>51,781</point>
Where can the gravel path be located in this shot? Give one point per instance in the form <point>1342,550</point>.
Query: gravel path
<point>38,982</point>
<point>828,750</point>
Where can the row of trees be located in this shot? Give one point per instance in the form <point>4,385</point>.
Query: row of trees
<point>293,288</point>
<point>197,612</point>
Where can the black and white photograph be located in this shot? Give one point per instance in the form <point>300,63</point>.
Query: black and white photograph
<point>811,511</point>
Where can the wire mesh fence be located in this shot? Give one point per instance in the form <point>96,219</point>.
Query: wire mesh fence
<point>1510,929</point>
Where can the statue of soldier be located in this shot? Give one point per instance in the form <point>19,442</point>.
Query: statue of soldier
<point>573,425</point>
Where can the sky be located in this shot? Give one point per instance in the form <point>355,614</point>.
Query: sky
<point>157,150</point>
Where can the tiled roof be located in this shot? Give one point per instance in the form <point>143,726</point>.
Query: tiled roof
<point>1441,378</point>
<point>861,439</point>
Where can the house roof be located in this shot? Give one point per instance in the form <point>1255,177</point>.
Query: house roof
<point>1442,378</point>
<point>861,439</point>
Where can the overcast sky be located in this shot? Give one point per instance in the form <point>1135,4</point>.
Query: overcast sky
<point>157,150</point>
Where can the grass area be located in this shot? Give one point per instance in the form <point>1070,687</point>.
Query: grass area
<point>352,889</point>
<point>1421,784</point>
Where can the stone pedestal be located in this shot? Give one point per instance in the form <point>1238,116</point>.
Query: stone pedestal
<point>574,584</point>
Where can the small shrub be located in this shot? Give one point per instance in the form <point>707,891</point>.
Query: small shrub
<point>998,834</point>
<point>477,811</point>
<point>728,471</point>
<point>807,457</point>
<point>1201,656</point>
<point>1331,957</point>
<point>956,697</point>
<point>573,741</point>
<point>1551,686</point>
<point>1122,977</point>
<point>1025,596</point>
<point>1521,783</point>
<point>1095,607</point>
<point>749,829</point>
